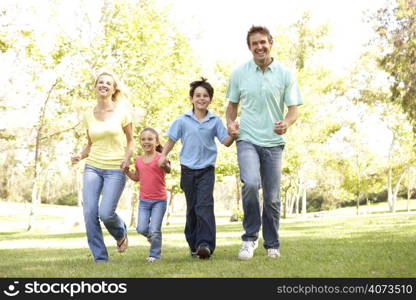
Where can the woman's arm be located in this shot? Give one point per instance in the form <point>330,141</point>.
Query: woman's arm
<point>128,131</point>
<point>84,153</point>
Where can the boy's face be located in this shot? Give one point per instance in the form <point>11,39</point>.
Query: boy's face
<point>200,99</point>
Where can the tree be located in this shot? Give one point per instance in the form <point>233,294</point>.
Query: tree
<point>395,27</point>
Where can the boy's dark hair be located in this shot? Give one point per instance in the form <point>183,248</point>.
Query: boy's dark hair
<point>203,83</point>
<point>259,29</point>
<point>159,148</point>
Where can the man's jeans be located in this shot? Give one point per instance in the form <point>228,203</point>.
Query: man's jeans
<point>109,183</point>
<point>198,186</point>
<point>149,224</point>
<point>260,167</point>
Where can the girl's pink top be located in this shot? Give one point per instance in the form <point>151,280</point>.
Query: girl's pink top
<point>152,179</point>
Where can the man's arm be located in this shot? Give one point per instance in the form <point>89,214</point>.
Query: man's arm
<point>280,127</point>
<point>230,116</point>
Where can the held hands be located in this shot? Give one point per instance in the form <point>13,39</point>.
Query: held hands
<point>163,162</point>
<point>233,128</point>
<point>125,165</point>
<point>280,127</point>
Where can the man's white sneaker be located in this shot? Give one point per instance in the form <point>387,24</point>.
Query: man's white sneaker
<point>273,253</point>
<point>152,259</point>
<point>247,250</point>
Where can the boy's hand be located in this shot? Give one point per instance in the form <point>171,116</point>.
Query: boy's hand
<point>165,164</point>
<point>162,162</point>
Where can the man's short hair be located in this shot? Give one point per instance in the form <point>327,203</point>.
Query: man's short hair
<point>259,29</point>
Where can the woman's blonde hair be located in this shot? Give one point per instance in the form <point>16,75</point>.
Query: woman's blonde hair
<point>117,94</point>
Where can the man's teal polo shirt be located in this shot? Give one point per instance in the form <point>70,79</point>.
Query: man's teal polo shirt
<point>198,145</point>
<point>262,96</point>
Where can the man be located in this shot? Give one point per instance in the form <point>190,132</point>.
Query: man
<point>263,87</point>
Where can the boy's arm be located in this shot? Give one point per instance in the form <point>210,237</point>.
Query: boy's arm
<point>166,167</point>
<point>163,161</point>
<point>231,116</point>
<point>228,141</point>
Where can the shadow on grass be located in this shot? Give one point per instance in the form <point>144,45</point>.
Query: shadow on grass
<point>374,254</point>
<point>354,247</point>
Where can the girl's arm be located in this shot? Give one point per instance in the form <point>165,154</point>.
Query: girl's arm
<point>84,153</point>
<point>133,176</point>
<point>128,131</point>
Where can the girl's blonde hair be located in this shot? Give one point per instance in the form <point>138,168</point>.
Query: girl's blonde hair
<point>117,94</point>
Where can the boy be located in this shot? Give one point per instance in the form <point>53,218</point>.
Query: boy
<point>197,129</point>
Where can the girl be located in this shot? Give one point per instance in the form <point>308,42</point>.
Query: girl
<point>152,205</point>
<point>108,151</point>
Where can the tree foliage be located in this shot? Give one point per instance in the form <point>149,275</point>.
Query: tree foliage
<point>395,27</point>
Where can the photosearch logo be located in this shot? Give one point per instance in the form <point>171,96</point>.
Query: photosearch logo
<point>12,290</point>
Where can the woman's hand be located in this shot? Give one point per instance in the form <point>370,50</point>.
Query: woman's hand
<point>75,159</point>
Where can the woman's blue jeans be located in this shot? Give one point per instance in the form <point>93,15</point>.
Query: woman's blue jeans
<point>149,223</point>
<point>109,184</point>
<point>260,167</point>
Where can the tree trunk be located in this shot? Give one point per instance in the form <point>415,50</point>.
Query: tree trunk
<point>238,191</point>
<point>396,191</point>
<point>389,190</point>
<point>304,201</point>
<point>36,180</point>
<point>133,207</point>
<point>389,176</point>
<point>170,206</point>
<point>409,189</point>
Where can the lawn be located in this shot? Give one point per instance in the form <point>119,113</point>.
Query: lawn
<point>364,246</point>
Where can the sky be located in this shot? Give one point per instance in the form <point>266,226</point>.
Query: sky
<point>217,28</point>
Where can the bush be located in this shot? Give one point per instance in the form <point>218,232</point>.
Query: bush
<point>69,199</point>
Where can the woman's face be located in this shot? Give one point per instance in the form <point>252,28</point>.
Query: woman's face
<point>105,86</point>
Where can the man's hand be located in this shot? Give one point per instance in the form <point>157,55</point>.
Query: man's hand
<point>280,127</point>
<point>233,128</point>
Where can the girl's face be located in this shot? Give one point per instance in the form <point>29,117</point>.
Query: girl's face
<point>105,86</point>
<point>149,141</point>
<point>201,98</point>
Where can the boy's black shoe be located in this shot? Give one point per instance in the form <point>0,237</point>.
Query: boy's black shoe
<point>203,252</point>
<point>193,254</point>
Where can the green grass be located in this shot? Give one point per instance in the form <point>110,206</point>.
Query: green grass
<point>368,246</point>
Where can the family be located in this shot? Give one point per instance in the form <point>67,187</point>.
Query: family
<point>263,87</point>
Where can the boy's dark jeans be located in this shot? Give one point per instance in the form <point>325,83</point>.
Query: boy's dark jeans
<point>198,186</point>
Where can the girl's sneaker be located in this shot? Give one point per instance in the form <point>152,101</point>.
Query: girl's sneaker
<point>152,259</point>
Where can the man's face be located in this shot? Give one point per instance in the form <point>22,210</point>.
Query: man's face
<point>260,47</point>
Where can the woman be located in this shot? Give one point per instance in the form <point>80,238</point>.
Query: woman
<point>108,152</point>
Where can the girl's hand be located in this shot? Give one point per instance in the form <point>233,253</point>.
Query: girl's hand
<point>124,164</point>
<point>126,170</point>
